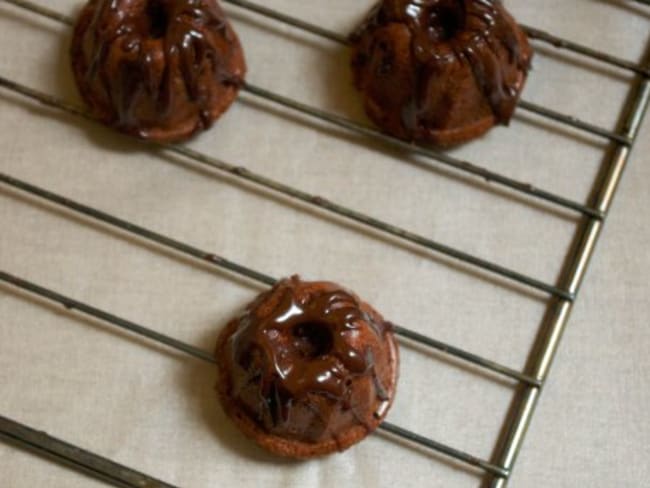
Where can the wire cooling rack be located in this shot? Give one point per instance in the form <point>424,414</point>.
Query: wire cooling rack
<point>561,295</point>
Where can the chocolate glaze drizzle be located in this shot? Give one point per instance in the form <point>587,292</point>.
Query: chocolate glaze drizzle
<point>444,32</point>
<point>293,368</point>
<point>131,51</point>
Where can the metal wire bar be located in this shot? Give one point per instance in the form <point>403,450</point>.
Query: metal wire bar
<point>472,358</point>
<point>549,342</point>
<point>430,154</point>
<point>441,157</point>
<point>239,269</point>
<point>137,230</point>
<point>206,356</point>
<point>561,43</point>
<point>574,122</point>
<point>289,20</point>
<point>316,201</point>
<point>376,224</point>
<point>75,457</point>
<point>72,304</point>
<point>497,471</point>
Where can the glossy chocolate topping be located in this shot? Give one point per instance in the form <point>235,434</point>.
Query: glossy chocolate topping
<point>414,45</point>
<point>307,360</point>
<point>156,68</point>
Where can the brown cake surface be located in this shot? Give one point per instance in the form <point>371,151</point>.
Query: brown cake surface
<point>308,369</point>
<point>156,69</point>
<point>440,71</point>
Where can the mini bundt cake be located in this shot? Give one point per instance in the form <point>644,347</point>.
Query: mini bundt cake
<point>156,69</point>
<point>440,71</point>
<point>308,369</point>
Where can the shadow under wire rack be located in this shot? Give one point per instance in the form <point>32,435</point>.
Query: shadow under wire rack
<point>561,295</point>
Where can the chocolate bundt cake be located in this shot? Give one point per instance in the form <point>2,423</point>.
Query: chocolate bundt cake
<point>156,69</point>
<point>440,71</point>
<point>308,369</point>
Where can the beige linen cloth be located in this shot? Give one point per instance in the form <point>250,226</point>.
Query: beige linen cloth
<point>155,410</point>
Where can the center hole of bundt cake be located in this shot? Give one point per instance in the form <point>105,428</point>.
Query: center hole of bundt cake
<point>158,19</point>
<point>447,19</point>
<point>313,339</point>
